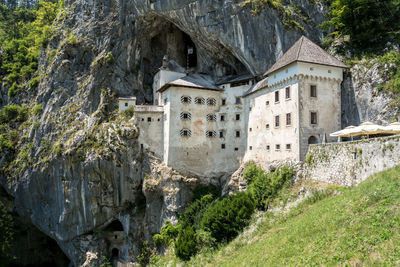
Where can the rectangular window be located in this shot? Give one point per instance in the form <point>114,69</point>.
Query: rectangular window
<point>165,101</point>
<point>221,134</point>
<point>277,121</point>
<point>268,147</point>
<point>250,129</point>
<point>313,91</point>
<point>267,103</point>
<point>314,118</point>
<point>276,96</point>
<point>236,148</point>
<point>267,126</point>
<point>238,100</point>
<point>287,95</point>
<point>185,116</point>
<point>149,119</point>
<point>277,147</point>
<point>222,117</point>
<point>289,119</point>
<point>222,146</point>
<point>223,102</point>
<point>238,117</point>
<point>288,146</point>
<point>251,148</point>
<point>237,133</point>
<point>126,104</point>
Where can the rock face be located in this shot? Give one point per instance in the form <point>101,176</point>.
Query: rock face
<point>88,170</point>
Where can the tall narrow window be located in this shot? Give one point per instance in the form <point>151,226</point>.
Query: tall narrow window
<point>199,101</point>
<point>238,117</point>
<point>126,104</point>
<point>288,119</point>
<point>276,96</point>
<point>221,134</point>
<point>222,117</point>
<point>314,119</point>
<point>186,99</point>
<point>287,93</point>
<point>211,101</point>
<point>277,121</point>
<point>238,100</point>
<point>313,91</point>
<point>223,102</point>
<point>237,133</point>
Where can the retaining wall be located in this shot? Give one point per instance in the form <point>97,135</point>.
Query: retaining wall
<point>350,163</point>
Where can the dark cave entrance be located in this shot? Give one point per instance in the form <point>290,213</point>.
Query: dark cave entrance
<point>114,226</point>
<point>115,253</point>
<point>190,51</point>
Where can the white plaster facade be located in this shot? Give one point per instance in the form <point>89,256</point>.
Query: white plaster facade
<point>199,128</point>
<point>125,102</point>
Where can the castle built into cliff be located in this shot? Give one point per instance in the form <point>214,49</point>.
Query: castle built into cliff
<point>207,129</point>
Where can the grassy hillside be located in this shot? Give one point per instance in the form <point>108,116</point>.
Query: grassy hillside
<point>359,226</point>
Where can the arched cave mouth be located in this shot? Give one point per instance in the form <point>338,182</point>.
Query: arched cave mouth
<point>163,38</point>
<point>114,226</point>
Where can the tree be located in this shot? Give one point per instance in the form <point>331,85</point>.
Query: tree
<point>186,246</point>
<point>367,22</point>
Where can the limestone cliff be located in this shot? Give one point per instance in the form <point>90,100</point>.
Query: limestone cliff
<point>86,168</point>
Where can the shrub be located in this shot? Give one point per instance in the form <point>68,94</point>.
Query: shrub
<point>144,254</point>
<point>13,113</point>
<point>193,214</point>
<point>167,234</point>
<point>264,187</point>
<point>251,171</point>
<point>186,245</point>
<point>225,218</point>
<point>37,109</point>
<point>202,190</point>
<point>128,113</point>
<point>6,236</point>
<point>13,90</point>
<point>33,83</point>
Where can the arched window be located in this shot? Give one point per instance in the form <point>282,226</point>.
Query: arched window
<point>312,140</point>
<point>211,134</point>
<point>186,99</point>
<point>186,116</point>
<point>211,101</point>
<point>200,101</point>
<point>186,133</point>
<point>211,117</point>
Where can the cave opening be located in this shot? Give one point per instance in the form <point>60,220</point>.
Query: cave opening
<point>114,226</point>
<point>190,52</point>
<point>115,253</point>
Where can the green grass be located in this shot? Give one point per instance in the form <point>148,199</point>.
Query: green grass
<point>359,226</point>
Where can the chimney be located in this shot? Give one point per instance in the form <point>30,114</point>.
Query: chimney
<point>164,62</point>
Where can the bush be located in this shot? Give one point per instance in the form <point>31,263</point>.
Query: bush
<point>129,112</point>
<point>167,234</point>
<point>251,171</point>
<point>202,190</point>
<point>6,236</point>
<point>13,113</point>
<point>37,109</point>
<point>186,245</point>
<point>225,218</point>
<point>144,254</point>
<point>193,214</point>
<point>34,82</point>
<point>264,187</point>
<point>13,90</point>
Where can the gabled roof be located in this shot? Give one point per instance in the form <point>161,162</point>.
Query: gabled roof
<point>305,50</point>
<point>196,81</point>
<point>237,78</point>
<point>258,86</point>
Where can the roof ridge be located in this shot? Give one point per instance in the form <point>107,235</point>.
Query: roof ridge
<point>300,46</point>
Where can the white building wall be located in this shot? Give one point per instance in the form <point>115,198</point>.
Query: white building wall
<point>327,105</point>
<point>150,124</point>
<point>125,103</point>
<point>199,154</point>
<point>161,78</point>
<point>261,114</point>
<point>284,73</point>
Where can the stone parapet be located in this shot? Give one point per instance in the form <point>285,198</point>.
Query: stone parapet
<point>350,163</point>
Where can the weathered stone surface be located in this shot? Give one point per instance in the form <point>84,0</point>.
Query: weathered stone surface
<point>350,163</point>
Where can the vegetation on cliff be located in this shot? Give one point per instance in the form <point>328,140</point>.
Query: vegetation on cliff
<point>209,222</point>
<point>338,226</point>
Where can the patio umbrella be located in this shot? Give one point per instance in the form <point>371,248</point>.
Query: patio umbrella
<point>393,128</point>
<point>344,132</point>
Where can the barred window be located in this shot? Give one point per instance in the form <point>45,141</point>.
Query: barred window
<point>211,101</point>
<point>186,99</point>
<point>211,117</point>
<point>211,134</point>
<point>200,101</point>
<point>186,133</point>
<point>186,116</point>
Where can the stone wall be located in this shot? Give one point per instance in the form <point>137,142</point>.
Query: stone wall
<point>350,163</point>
